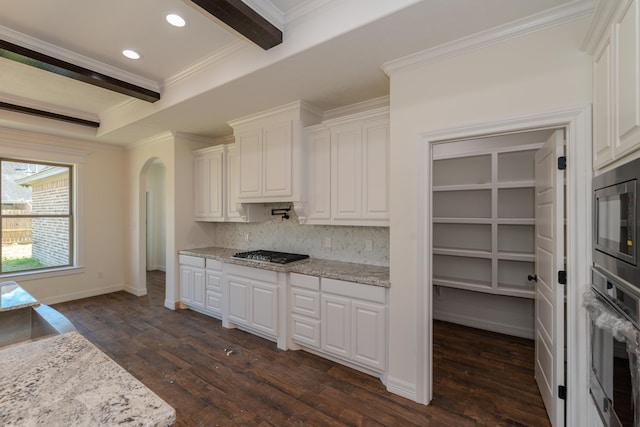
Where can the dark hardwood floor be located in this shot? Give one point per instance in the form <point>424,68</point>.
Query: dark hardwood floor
<point>218,377</point>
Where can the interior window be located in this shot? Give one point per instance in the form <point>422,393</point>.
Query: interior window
<point>37,216</point>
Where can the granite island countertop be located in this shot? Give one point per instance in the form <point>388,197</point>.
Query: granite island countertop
<point>13,297</point>
<point>65,380</point>
<point>374,275</point>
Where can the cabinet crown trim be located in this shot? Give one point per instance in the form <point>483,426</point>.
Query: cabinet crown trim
<point>295,110</point>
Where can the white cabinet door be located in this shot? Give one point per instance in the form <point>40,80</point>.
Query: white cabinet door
<point>368,331</point>
<point>239,292</point>
<point>198,287</point>
<point>209,184</point>
<point>346,173</point>
<point>277,156</point>
<point>249,145</point>
<point>264,308</point>
<point>186,284</point>
<point>233,183</point>
<point>627,34</point>
<point>336,330</point>
<point>602,113</point>
<point>376,169</point>
<point>319,175</point>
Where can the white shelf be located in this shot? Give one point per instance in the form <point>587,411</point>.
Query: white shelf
<point>484,220</point>
<point>462,253</point>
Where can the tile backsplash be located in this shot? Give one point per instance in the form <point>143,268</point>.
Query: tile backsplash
<point>348,243</point>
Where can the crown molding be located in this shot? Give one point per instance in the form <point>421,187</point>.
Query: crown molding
<point>49,143</point>
<point>163,136</point>
<point>268,11</point>
<point>306,11</point>
<point>538,22</point>
<point>44,106</point>
<point>57,52</point>
<point>207,63</point>
<point>602,16</point>
<point>357,108</point>
<point>295,109</point>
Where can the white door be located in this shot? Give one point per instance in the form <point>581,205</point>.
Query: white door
<point>549,200</point>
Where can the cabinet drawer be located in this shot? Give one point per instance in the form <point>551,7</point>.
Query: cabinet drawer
<point>305,302</point>
<point>214,281</point>
<point>213,264</point>
<point>354,290</point>
<point>251,273</point>
<point>305,331</point>
<point>214,302</point>
<point>304,281</point>
<point>193,261</point>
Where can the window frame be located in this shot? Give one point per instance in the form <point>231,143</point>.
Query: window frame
<point>42,148</point>
<point>70,216</point>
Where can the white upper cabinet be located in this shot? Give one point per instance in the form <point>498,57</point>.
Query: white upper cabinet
<point>318,175</point>
<point>614,41</point>
<point>271,153</point>
<point>217,186</point>
<point>348,170</point>
<point>209,183</point>
<point>627,77</point>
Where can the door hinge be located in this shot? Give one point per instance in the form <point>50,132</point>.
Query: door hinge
<point>562,392</point>
<point>562,163</point>
<point>562,277</point>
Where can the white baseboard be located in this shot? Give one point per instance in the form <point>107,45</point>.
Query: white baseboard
<point>81,294</point>
<point>157,267</point>
<point>480,323</point>
<point>135,291</point>
<point>402,388</point>
<point>171,305</point>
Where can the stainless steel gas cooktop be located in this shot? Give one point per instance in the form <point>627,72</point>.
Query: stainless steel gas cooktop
<point>270,256</point>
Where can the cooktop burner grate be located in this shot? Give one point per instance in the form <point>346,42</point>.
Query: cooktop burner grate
<point>270,256</point>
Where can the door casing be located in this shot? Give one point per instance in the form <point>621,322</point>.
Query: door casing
<point>576,122</point>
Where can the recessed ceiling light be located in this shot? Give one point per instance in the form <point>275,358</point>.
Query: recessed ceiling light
<point>176,20</point>
<point>131,54</point>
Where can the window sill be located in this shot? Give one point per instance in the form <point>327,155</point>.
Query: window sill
<point>26,276</point>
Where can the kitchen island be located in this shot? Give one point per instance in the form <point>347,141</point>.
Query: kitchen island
<point>53,376</point>
<point>65,380</point>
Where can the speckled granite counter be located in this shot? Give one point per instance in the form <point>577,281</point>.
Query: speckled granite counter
<point>66,381</point>
<point>351,272</point>
<point>13,297</point>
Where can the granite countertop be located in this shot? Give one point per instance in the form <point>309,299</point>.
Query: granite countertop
<point>375,275</point>
<point>13,297</point>
<point>65,380</point>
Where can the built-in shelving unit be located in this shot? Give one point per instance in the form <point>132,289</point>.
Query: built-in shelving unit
<point>484,219</point>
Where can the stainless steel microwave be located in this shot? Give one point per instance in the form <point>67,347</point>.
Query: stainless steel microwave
<point>616,222</point>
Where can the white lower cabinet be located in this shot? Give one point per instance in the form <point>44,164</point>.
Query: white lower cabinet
<point>213,290</point>
<point>192,281</point>
<point>253,300</point>
<point>345,320</point>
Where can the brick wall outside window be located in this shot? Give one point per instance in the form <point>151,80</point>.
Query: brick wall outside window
<point>50,236</point>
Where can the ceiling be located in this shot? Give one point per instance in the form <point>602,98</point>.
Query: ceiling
<point>208,74</point>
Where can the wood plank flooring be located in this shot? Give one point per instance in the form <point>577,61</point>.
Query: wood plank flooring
<point>218,377</point>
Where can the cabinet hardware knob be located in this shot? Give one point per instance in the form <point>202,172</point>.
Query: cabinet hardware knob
<point>532,278</point>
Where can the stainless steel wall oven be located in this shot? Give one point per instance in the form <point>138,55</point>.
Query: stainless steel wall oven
<point>614,308</point>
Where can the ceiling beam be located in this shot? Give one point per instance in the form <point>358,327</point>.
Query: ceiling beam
<point>44,62</point>
<point>244,20</point>
<point>47,114</point>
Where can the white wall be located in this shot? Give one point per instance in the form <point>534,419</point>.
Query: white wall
<point>174,151</point>
<point>532,74</point>
<point>102,215</point>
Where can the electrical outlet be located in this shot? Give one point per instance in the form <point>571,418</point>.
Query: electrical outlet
<point>327,242</point>
<point>368,245</point>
